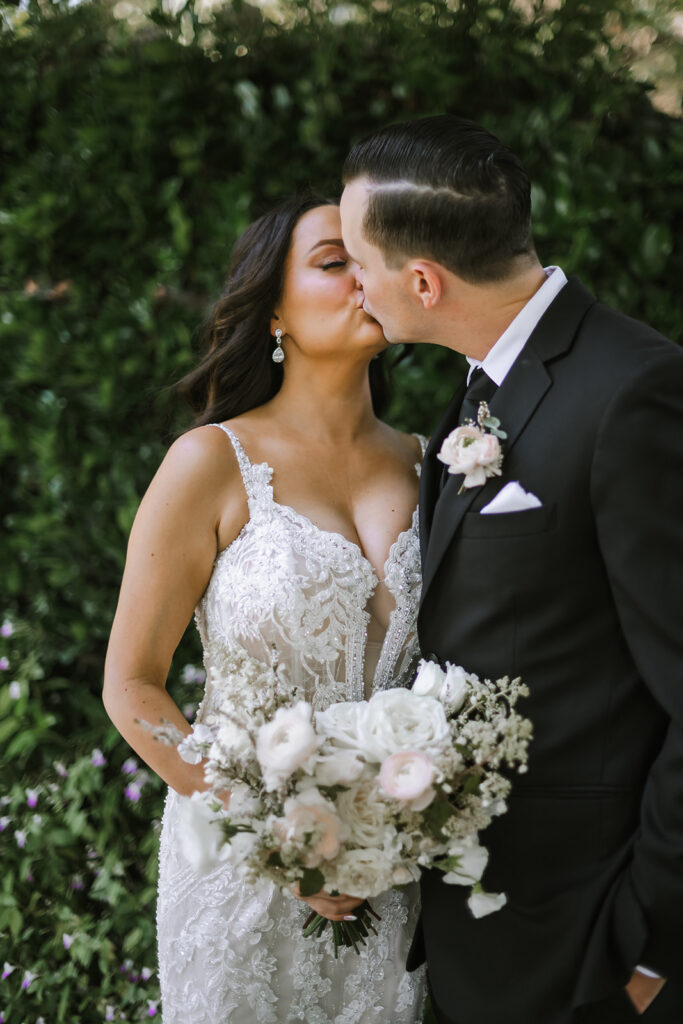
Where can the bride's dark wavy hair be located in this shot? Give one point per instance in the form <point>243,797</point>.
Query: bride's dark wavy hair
<point>237,372</point>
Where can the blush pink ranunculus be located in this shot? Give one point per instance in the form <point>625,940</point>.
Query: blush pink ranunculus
<point>407,776</point>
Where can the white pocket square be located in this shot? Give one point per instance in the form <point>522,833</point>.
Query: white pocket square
<point>512,498</point>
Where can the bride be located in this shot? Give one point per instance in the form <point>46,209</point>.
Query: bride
<point>286,521</point>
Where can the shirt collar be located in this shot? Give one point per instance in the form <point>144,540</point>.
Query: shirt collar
<point>500,358</point>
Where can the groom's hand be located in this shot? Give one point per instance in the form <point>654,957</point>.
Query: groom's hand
<point>334,908</point>
<point>642,989</point>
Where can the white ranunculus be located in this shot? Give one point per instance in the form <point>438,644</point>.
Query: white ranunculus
<point>473,859</point>
<point>201,838</point>
<point>398,720</point>
<point>408,776</point>
<point>363,810</point>
<point>455,688</point>
<point>364,873</point>
<point>340,768</point>
<point>285,743</point>
<point>311,823</point>
<point>429,679</point>
<point>341,723</point>
<point>483,903</point>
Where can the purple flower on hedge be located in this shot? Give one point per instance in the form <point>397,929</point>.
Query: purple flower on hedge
<point>97,758</point>
<point>146,973</point>
<point>61,770</point>
<point>129,766</point>
<point>4,663</point>
<point>133,792</point>
<point>14,690</point>
<point>152,1008</point>
<point>77,883</point>
<point>32,797</point>
<point>28,979</point>
<point>7,970</point>
<point>4,822</point>
<point>68,940</point>
<point>109,1013</point>
<point>20,836</point>
<point>6,629</point>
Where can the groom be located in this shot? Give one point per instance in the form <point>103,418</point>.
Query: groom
<point>564,569</point>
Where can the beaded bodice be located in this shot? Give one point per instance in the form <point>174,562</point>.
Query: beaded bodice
<point>285,589</point>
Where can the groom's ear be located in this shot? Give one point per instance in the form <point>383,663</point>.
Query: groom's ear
<point>425,283</point>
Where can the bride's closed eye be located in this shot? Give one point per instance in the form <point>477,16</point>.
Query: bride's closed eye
<point>333,263</point>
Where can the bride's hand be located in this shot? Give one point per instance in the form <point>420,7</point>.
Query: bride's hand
<point>334,908</point>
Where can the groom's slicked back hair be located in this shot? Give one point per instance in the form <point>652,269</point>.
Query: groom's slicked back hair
<point>444,188</point>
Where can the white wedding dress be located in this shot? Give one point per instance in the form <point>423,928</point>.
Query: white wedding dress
<point>234,954</point>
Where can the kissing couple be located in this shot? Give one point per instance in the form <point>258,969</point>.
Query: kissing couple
<point>292,519</point>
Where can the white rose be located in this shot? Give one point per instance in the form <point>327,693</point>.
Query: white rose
<point>341,767</point>
<point>483,903</point>
<point>340,723</point>
<point>473,860</point>
<point>285,743</point>
<point>404,875</point>
<point>429,679</point>
<point>201,838</point>
<point>407,777</point>
<point>362,809</point>
<point>364,873</point>
<point>455,688</point>
<point>398,720</point>
<point>310,822</point>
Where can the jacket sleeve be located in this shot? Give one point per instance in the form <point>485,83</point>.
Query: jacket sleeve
<point>637,494</point>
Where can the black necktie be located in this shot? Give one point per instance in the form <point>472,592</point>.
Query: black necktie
<point>480,389</point>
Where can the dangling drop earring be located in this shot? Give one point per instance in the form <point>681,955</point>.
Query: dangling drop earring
<point>278,352</point>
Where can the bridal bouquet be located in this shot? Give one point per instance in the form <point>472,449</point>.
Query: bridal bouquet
<point>356,798</point>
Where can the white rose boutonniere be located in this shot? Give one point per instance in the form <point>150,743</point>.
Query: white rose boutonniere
<point>474,450</point>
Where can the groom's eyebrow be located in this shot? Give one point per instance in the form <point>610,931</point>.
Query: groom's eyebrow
<point>326,241</point>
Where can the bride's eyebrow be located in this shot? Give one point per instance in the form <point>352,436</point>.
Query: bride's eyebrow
<point>326,241</point>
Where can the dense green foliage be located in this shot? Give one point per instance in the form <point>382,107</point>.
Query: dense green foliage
<point>129,165</point>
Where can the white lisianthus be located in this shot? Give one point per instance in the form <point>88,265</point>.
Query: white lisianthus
<point>408,776</point>
<point>285,743</point>
<point>196,743</point>
<point>201,838</point>
<point>473,858</point>
<point>341,723</point>
<point>340,768</point>
<point>396,720</point>
<point>455,688</point>
<point>364,873</point>
<point>483,903</point>
<point>363,810</point>
<point>311,821</point>
<point>429,679</point>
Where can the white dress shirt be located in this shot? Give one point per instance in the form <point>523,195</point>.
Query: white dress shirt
<point>501,357</point>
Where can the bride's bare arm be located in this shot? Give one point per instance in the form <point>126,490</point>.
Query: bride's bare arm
<point>194,506</point>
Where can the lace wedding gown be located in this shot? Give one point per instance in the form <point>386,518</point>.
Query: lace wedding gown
<point>234,954</point>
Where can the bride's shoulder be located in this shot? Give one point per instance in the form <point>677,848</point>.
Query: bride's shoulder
<point>202,457</point>
<point>410,446</point>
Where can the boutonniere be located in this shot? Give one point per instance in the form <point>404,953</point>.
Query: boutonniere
<point>474,449</point>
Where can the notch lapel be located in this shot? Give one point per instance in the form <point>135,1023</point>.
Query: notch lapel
<point>514,403</point>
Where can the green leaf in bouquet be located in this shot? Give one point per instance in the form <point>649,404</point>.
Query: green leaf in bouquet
<point>312,882</point>
<point>436,816</point>
<point>470,783</point>
<point>275,860</point>
<point>231,829</point>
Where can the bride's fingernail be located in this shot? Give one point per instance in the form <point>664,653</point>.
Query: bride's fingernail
<point>350,917</point>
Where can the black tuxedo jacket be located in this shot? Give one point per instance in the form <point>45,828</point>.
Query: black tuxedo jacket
<point>582,598</point>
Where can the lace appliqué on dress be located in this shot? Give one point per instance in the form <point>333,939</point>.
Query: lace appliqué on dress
<point>230,954</point>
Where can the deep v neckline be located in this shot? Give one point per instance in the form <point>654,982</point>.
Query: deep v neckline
<point>288,511</point>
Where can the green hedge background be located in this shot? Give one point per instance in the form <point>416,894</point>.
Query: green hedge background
<point>132,154</point>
